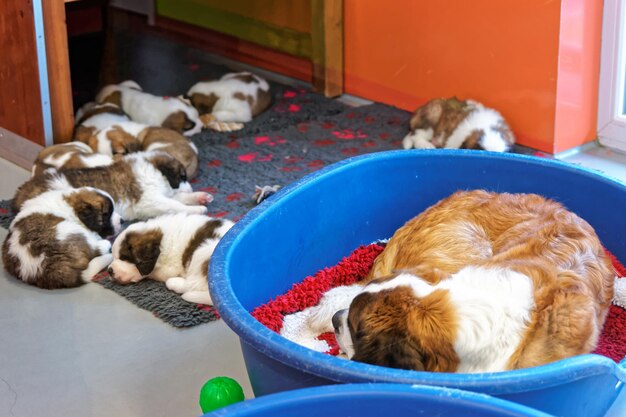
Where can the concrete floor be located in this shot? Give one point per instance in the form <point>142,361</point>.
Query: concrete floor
<point>89,352</point>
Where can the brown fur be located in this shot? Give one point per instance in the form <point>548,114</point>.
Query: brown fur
<point>178,121</point>
<point>94,210</point>
<point>204,103</point>
<point>99,109</point>
<point>560,252</point>
<point>117,180</point>
<point>63,260</point>
<point>114,98</point>
<point>442,115</point>
<point>142,249</point>
<point>202,234</point>
<point>176,145</point>
<point>84,133</point>
<point>122,142</point>
<point>384,328</point>
<point>56,151</point>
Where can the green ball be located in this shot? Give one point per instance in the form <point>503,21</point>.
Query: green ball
<point>219,392</point>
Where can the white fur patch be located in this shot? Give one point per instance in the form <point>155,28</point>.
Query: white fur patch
<point>30,266</point>
<point>480,119</point>
<point>149,109</point>
<point>228,108</point>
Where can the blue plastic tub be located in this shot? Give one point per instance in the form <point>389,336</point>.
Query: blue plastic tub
<point>316,221</point>
<point>376,400</point>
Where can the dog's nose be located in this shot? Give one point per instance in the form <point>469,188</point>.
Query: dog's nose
<point>110,271</point>
<point>338,319</point>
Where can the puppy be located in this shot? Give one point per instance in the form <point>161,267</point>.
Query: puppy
<point>480,282</point>
<point>457,124</point>
<point>175,249</point>
<point>116,140</point>
<point>128,137</point>
<point>67,156</point>
<point>56,240</point>
<point>142,185</point>
<point>234,99</point>
<point>93,117</point>
<point>170,112</point>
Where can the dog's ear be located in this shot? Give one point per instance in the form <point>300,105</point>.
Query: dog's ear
<point>84,134</point>
<point>171,169</point>
<point>114,98</point>
<point>94,210</point>
<point>176,121</point>
<point>142,249</point>
<point>431,325</point>
<point>378,328</point>
<point>122,142</point>
<point>204,102</point>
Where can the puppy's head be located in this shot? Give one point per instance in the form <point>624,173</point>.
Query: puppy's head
<point>173,171</point>
<point>135,253</point>
<point>186,121</point>
<point>95,209</point>
<point>399,322</point>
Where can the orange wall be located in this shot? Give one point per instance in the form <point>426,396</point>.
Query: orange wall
<point>508,55</point>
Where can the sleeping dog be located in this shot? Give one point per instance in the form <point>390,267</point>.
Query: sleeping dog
<point>92,117</point>
<point>143,185</point>
<point>480,282</point>
<point>127,137</point>
<point>171,112</point>
<point>67,156</point>
<point>175,249</point>
<point>234,99</point>
<point>57,239</point>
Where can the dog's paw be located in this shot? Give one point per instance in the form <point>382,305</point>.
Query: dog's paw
<point>334,300</point>
<point>197,210</point>
<point>207,119</point>
<point>177,284</point>
<point>104,246</point>
<point>224,126</point>
<point>198,297</point>
<point>203,198</point>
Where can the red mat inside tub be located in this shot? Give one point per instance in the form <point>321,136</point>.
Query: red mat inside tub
<point>355,267</point>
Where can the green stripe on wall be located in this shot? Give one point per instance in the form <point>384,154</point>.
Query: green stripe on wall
<point>284,40</point>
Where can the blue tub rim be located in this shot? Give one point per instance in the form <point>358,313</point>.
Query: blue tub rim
<point>263,405</point>
<point>271,344</point>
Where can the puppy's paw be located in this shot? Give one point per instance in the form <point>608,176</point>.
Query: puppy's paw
<point>197,210</point>
<point>224,126</point>
<point>198,297</point>
<point>207,119</point>
<point>177,284</point>
<point>104,246</point>
<point>203,198</point>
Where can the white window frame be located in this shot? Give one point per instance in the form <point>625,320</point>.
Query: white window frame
<point>611,120</point>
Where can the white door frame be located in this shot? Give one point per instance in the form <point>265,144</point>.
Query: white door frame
<point>611,117</point>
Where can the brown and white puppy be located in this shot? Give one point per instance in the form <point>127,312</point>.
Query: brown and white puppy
<point>234,99</point>
<point>67,156</point>
<point>117,140</point>
<point>57,239</point>
<point>480,282</point>
<point>458,124</point>
<point>93,117</point>
<point>143,185</point>
<point>170,112</point>
<point>175,249</point>
<point>128,137</point>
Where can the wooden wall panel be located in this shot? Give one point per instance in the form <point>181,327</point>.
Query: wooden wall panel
<point>20,97</point>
